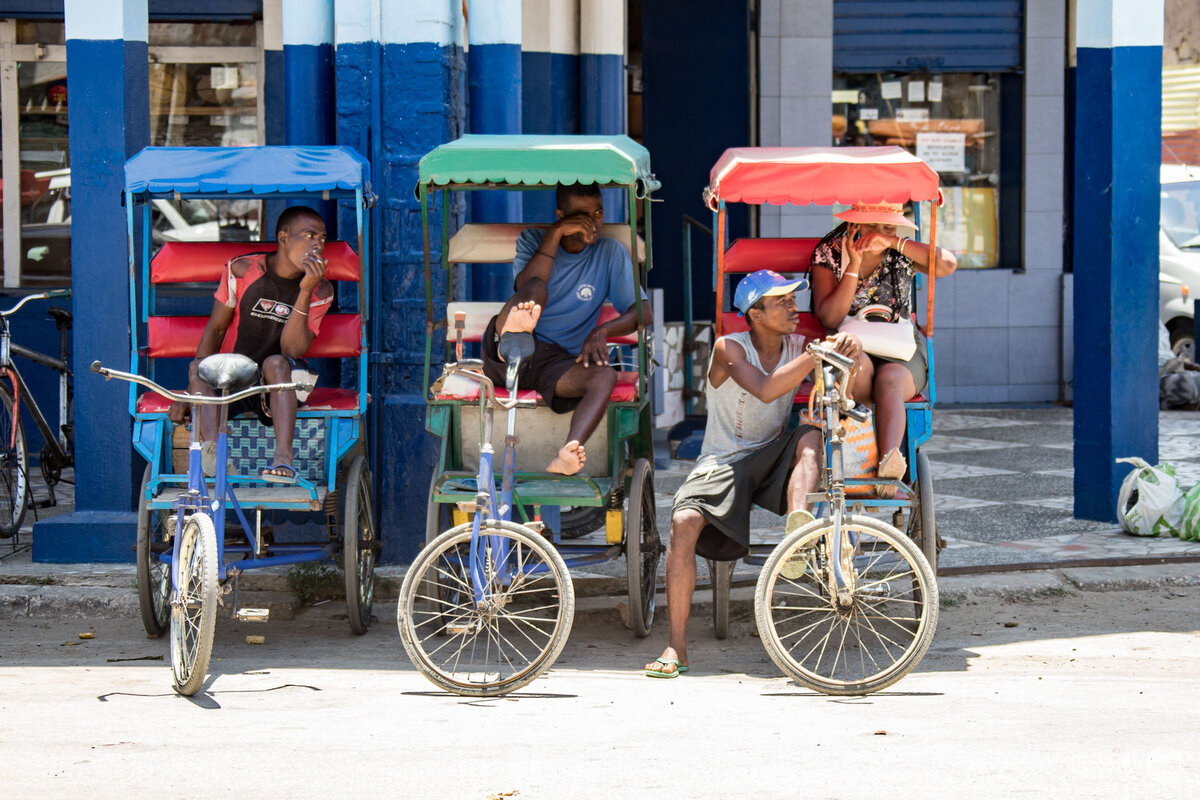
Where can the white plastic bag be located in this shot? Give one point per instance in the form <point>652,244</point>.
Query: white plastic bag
<point>1150,501</point>
<point>1190,529</point>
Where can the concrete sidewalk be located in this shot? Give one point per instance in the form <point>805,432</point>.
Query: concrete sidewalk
<point>1002,476</point>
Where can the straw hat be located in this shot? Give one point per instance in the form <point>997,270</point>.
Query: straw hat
<point>877,214</point>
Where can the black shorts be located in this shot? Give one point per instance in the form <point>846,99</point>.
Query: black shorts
<point>258,404</point>
<point>539,372</point>
<point>724,494</point>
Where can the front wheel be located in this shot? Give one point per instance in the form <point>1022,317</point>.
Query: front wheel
<point>153,574</point>
<point>359,545</point>
<point>194,607</point>
<point>861,638</point>
<point>14,467</point>
<point>487,622</point>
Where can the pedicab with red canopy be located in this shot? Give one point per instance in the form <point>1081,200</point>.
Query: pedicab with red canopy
<point>827,176</point>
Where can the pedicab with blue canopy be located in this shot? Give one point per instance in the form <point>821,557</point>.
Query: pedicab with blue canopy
<point>186,553</point>
<point>487,605</point>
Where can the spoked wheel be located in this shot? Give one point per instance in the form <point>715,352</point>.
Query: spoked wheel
<point>721,573</point>
<point>859,643</point>
<point>14,467</point>
<point>359,544</point>
<point>194,607</point>
<point>642,545</point>
<point>931,543</point>
<point>153,574</point>
<point>506,638</point>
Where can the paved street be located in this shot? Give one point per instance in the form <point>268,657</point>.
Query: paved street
<point>1089,693</point>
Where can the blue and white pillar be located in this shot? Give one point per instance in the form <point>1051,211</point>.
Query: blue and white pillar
<point>109,114</point>
<point>307,28</point>
<point>400,93</point>
<point>549,81</point>
<point>494,98</point>
<point>602,80</point>
<point>273,94</point>
<point>1118,105</point>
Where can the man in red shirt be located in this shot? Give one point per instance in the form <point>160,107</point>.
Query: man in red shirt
<point>268,307</point>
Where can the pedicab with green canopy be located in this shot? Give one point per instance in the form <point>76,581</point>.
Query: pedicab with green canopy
<point>488,603</point>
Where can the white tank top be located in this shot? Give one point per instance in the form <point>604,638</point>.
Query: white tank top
<point>737,420</point>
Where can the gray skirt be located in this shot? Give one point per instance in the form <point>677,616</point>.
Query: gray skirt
<point>918,365</point>
<point>724,493</point>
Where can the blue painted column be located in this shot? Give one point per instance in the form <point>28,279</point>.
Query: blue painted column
<point>549,81</point>
<point>602,81</point>
<point>494,98</point>
<point>109,117</point>
<point>1118,103</point>
<point>273,94</point>
<point>400,93</point>
<point>307,28</point>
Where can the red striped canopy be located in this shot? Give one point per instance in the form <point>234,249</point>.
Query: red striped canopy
<point>820,175</point>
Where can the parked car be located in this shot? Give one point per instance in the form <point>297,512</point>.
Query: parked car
<point>46,232</point>
<point>1179,254</point>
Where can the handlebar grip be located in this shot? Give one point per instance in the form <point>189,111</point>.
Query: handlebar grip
<point>97,366</point>
<point>58,293</point>
<point>860,413</point>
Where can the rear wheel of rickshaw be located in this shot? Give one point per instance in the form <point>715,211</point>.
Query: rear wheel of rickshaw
<point>14,468</point>
<point>925,512</point>
<point>505,638</point>
<point>863,641</point>
<point>194,607</point>
<point>642,548</point>
<point>721,573</point>
<point>153,574</point>
<point>359,544</point>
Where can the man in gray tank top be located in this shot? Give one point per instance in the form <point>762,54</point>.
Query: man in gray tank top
<point>749,456</point>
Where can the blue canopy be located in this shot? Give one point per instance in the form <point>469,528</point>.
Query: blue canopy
<point>246,170</point>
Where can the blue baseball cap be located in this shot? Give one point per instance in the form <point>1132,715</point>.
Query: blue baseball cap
<point>761,284</point>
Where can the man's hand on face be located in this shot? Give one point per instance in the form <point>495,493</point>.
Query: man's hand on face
<point>846,343</point>
<point>579,224</point>
<point>594,350</point>
<point>314,270</point>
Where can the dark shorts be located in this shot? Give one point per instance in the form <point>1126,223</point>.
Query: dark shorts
<point>725,494</point>
<point>918,365</point>
<point>539,372</point>
<point>258,404</point>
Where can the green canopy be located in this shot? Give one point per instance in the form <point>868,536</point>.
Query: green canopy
<point>524,160</point>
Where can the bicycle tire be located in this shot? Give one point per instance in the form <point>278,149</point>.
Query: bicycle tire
<point>721,573</point>
<point>14,468</point>
<point>792,634</point>
<point>930,545</point>
<point>642,549</point>
<point>194,605</point>
<point>153,574</point>
<point>359,545</point>
<point>442,640</point>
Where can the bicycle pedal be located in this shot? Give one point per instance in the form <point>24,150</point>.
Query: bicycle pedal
<point>461,628</point>
<point>252,614</point>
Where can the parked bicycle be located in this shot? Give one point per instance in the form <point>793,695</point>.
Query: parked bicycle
<point>58,450</point>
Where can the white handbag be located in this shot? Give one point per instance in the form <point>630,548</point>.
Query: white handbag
<point>881,337</point>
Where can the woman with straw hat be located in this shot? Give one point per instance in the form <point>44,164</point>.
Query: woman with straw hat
<point>863,262</point>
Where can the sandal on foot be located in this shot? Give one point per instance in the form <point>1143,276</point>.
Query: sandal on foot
<point>270,474</point>
<point>666,662</point>
<point>797,520</point>
<point>894,466</point>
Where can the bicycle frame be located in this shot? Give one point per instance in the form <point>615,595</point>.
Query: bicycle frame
<point>55,440</point>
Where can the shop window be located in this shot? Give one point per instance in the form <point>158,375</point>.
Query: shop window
<point>953,122</point>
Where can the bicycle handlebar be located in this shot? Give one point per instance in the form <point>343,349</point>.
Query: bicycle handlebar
<point>833,357</point>
<point>198,399</point>
<point>38,296</point>
<point>489,388</point>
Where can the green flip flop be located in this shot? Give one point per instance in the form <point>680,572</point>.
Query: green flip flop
<point>658,673</point>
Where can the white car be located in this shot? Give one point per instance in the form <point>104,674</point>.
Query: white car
<point>1179,254</point>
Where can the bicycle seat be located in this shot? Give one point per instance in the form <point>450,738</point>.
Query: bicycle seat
<point>228,371</point>
<point>516,346</point>
<point>62,317</point>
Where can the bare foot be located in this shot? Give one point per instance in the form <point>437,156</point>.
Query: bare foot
<point>570,459</point>
<point>669,664</point>
<point>522,318</point>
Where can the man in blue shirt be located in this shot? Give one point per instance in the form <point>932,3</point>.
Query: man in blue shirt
<point>563,276</point>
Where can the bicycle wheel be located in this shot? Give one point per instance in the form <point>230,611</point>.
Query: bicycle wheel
<point>864,643</point>
<point>359,545</point>
<point>641,549</point>
<point>506,639</point>
<point>153,574</point>
<point>14,468</point>
<point>930,545</point>
<point>194,607</point>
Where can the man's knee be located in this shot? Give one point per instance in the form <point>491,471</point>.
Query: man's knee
<point>276,369</point>
<point>603,380</point>
<point>686,524</point>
